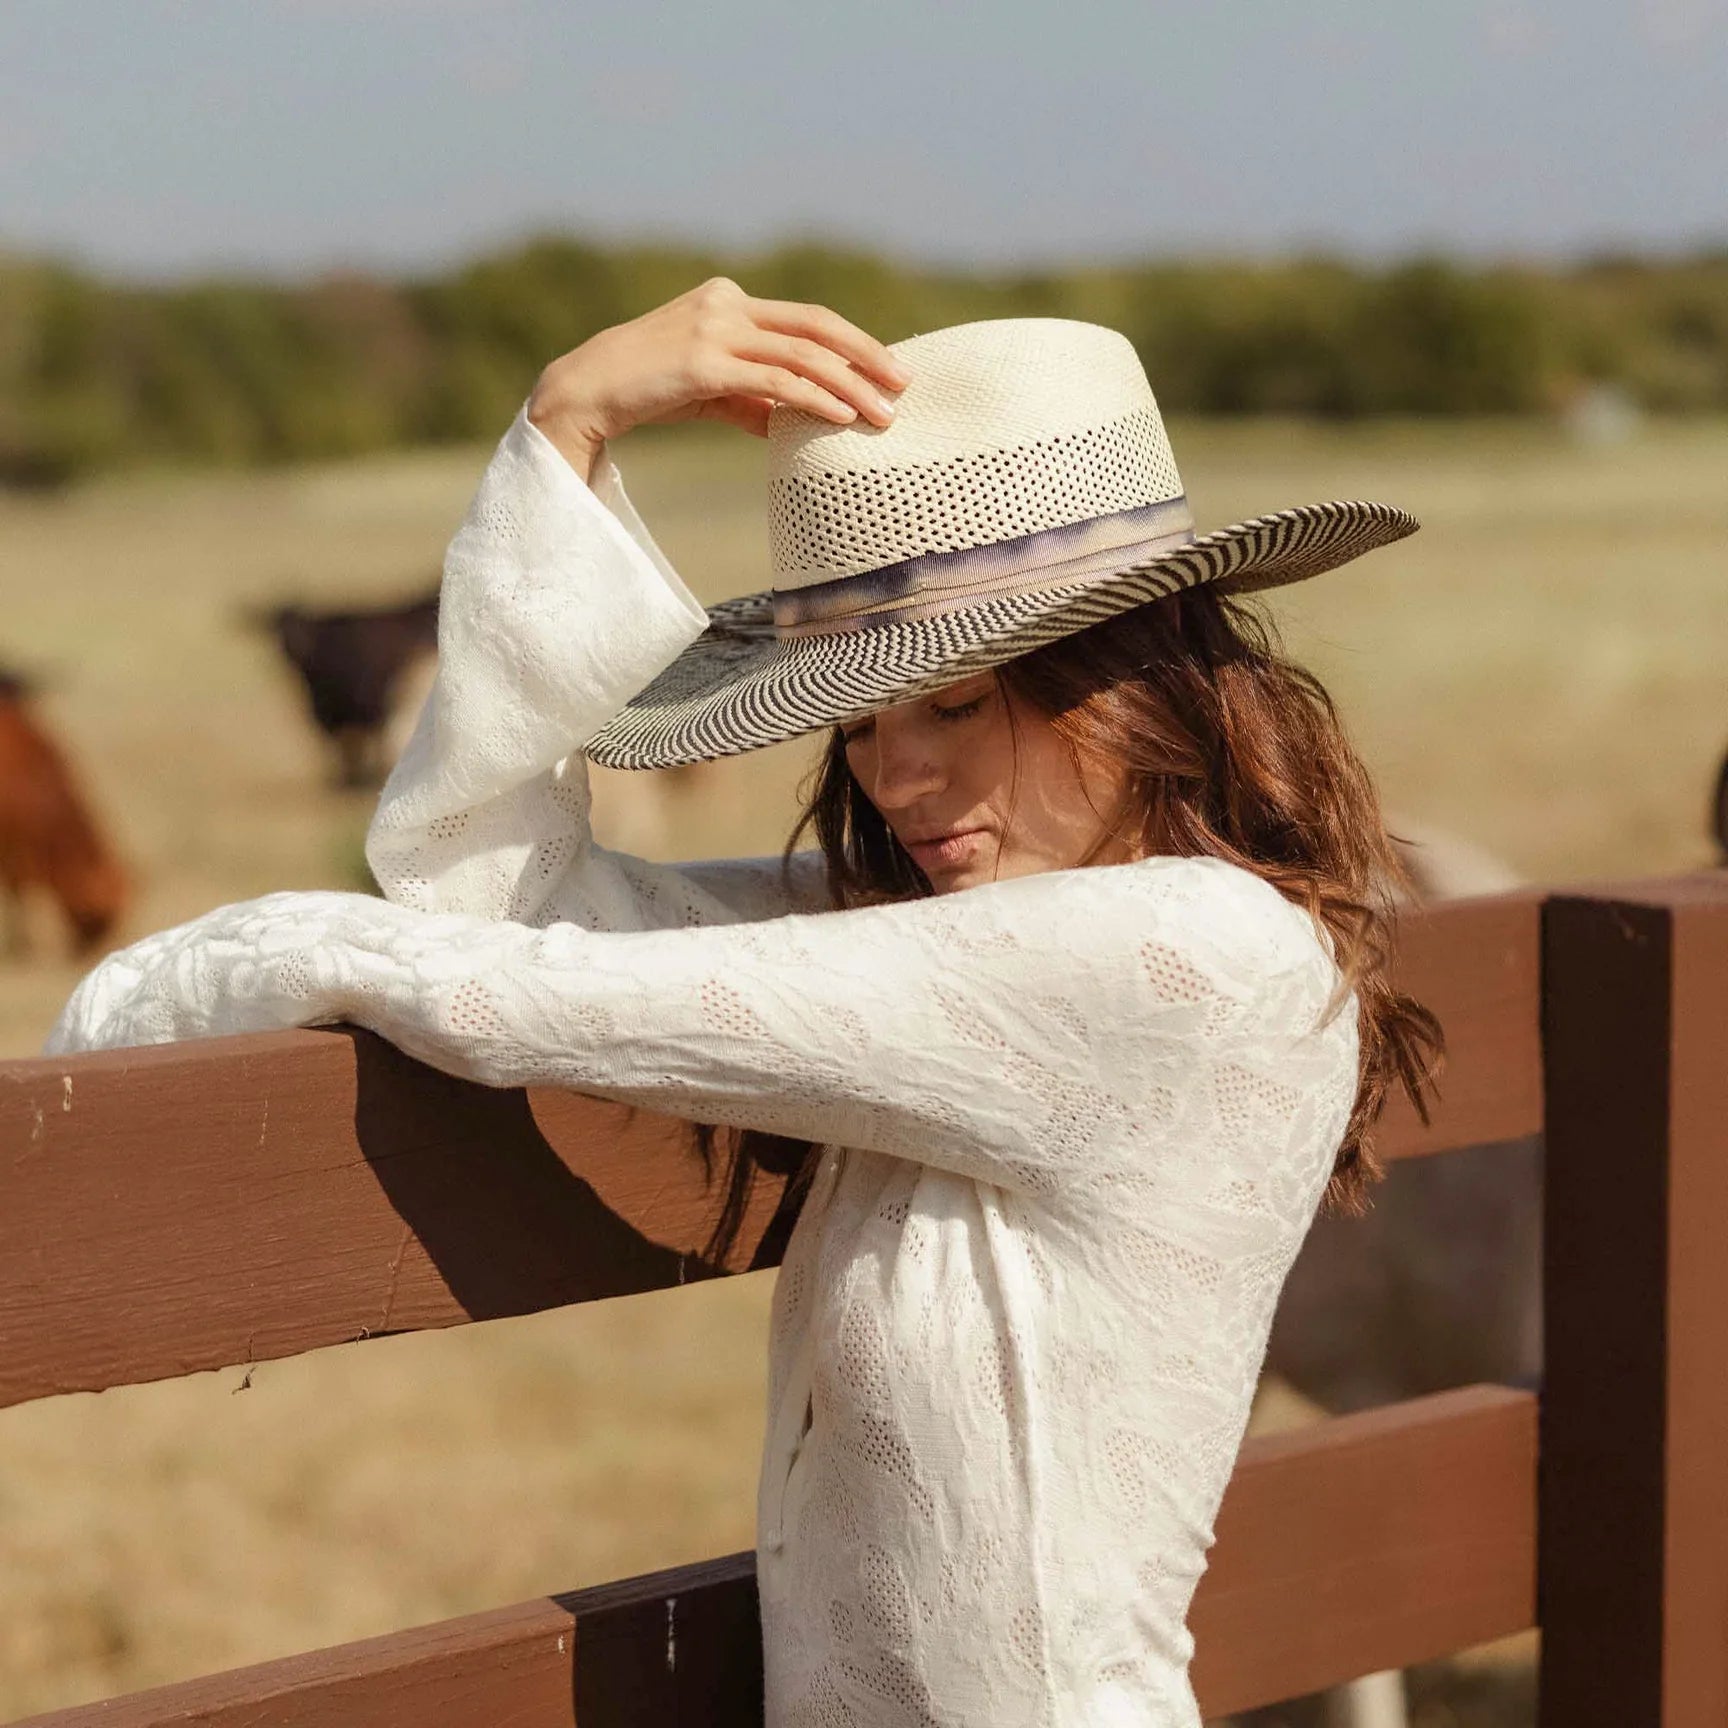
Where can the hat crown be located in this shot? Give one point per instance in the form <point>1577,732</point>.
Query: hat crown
<point>1008,427</point>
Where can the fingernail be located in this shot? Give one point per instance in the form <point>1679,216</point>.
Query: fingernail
<point>885,405</point>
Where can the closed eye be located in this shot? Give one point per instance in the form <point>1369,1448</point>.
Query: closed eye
<point>961,710</point>
<point>945,714</point>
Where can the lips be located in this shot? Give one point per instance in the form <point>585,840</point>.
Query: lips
<point>945,850</point>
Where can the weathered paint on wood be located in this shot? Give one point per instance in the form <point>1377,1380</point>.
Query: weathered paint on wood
<point>1369,1541</point>
<point>678,1649</point>
<point>242,1199</point>
<point>1634,1491</point>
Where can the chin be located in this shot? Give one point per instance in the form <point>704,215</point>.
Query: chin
<point>953,882</point>
<point>981,875</point>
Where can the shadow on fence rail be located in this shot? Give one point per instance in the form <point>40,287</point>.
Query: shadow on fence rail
<point>327,1189</point>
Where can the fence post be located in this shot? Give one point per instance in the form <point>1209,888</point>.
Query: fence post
<point>1633,1499</point>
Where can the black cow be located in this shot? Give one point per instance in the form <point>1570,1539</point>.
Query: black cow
<point>352,663</point>
<point>1719,813</point>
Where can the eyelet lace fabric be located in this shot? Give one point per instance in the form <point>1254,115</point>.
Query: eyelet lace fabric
<point>1075,1128</point>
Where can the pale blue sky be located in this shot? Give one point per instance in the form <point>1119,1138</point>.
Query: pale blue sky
<point>158,136</point>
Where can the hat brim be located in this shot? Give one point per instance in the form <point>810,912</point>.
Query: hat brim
<point>739,687</point>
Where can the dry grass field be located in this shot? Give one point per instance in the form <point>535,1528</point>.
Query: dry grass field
<point>1541,670</point>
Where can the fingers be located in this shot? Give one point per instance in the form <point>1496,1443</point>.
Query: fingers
<point>819,365</point>
<point>718,353</point>
<point>820,324</point>
<point>782,384</point>
<point>748,412</point>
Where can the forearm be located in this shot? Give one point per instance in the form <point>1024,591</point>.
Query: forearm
<point>1009,1033</point>
<point>555,610</point>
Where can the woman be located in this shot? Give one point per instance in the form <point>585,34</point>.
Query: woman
<point>1060,1134</point>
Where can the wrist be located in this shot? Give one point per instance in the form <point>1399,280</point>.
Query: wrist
<point>575,434</point>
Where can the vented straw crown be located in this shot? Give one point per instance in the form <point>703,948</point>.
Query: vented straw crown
<point>1007,428</point>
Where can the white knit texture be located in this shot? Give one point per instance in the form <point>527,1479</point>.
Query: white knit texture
<point>1076,1127</point>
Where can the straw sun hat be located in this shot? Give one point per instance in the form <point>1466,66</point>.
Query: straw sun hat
<point>1024,490</point>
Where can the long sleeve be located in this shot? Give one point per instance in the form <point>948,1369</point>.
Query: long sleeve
<point>1079,1124</point>
<point>556,607</point>
<point>1037,1034</point>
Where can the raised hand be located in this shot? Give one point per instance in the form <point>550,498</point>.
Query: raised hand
<point>714,353</point>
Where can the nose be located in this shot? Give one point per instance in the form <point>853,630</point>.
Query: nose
<point>904,766</point>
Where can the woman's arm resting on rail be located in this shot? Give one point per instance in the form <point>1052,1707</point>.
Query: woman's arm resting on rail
<point>1063,1033</point>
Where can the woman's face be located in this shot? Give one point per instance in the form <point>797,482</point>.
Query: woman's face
<point>979,787</point>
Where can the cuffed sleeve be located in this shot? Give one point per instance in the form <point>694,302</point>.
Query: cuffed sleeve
<point>557,606</point>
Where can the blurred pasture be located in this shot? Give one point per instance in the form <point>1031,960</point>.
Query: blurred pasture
<point>1541,670</point>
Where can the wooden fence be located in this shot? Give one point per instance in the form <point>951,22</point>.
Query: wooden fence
<point>244,1199</point>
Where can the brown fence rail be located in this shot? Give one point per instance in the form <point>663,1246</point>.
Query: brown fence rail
<point>244,1199</point>
<point>326,1188</point>
<point>1324,1559</point>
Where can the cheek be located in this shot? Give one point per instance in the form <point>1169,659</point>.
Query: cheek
<point>1060,811</point>
<point>979,760</point>
<point>861,765</point>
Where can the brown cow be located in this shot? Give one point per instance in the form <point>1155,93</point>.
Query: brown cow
<point>47,837</point>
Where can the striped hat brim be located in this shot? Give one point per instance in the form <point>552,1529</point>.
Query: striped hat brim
<point>740,687</point>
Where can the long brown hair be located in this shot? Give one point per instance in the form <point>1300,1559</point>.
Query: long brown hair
<point>1230,751</point>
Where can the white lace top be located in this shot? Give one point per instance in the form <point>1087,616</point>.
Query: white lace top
<point>1075,1127</point>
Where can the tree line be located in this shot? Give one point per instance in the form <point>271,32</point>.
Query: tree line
<point>95,374</point>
